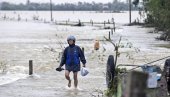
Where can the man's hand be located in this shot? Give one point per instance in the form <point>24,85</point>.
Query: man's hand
<point>59,68</point>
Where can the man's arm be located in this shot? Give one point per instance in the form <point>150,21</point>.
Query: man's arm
<point>82,57</point>
<point>63,58</point>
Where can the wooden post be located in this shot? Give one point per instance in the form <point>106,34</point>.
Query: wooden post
<point>112,31</point>
<point>136,84</point>
<point>109,35</point>
<point>51,10</point>
<point>92,22</point>
<point>104,24</point>
<point>113,20</point>
<point>130,11</point>
<point>114,27</point>
<point>30,67</point>
<point>108,21</point>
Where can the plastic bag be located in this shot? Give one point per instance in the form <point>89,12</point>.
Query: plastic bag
<point>84,71</point>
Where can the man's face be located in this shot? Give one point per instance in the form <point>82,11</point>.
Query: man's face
<point>71,42</point>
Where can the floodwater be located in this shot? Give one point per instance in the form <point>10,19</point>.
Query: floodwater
<point>84,16</point>
<point>21,41</point>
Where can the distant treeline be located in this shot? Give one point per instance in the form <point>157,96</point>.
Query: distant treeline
<point>80,6</point>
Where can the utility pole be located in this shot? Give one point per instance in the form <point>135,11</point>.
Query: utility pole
<point>130,11</point>
<point>0,6</point>
<point>51,9</point>
<point>28,2</point>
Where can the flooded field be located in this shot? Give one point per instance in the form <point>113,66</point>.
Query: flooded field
<point>21,41</point>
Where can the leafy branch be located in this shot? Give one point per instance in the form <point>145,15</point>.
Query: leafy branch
<point>116,48</point>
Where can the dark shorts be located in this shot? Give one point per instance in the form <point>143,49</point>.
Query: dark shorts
<point>72,68</point>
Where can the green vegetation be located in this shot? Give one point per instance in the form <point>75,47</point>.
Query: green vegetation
<point>158,15</point>
<point>80,6</point>
<point>116,89</point>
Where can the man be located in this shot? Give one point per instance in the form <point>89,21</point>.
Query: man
<point>71,59</point>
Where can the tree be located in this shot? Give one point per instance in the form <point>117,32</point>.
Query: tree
<point>80,6</point>
<point>158,13</point>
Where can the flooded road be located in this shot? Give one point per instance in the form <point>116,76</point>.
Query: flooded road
<point>23,41</point>
<point>43,47</point>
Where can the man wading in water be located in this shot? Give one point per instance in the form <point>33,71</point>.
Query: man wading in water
<point>71,59</point>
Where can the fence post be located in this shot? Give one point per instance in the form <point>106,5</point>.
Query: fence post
<point>104,24</point>
<point>114,27</point>
<point>109,35</point>
<point>30,67</point>
<point>92,22</point>
<point>112,31</point>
